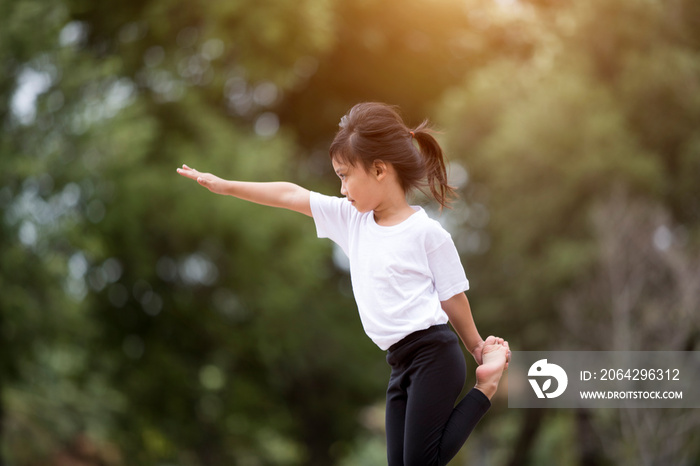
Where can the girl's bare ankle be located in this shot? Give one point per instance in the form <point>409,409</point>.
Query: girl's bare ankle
<point>488,389</point>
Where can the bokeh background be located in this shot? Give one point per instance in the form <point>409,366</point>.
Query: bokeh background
<point>145,321</point>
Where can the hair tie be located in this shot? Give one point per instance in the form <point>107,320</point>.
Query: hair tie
<point>413,135</point>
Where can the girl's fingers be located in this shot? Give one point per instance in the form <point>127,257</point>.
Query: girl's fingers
<point>188,172</point>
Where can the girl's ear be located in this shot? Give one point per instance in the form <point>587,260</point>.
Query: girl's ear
<point>379,169</point>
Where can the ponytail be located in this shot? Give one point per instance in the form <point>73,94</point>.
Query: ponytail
<point>374,131</point>
<point>436,172</point>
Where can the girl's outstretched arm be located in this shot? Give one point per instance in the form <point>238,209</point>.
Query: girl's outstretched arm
<point>276,194</point>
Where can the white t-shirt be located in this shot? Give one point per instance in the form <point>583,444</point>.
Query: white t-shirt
<point>399,273</point>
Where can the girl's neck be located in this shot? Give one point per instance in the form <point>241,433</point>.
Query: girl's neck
<point>393,214</point>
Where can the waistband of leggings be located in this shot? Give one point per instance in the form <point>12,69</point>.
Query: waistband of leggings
<point>416,335</point>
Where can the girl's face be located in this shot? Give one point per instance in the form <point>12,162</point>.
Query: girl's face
<point>360,187</point>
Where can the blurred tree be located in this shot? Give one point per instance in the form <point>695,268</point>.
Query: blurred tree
<point>643,297</point>
<point>47,395</point>
<point>606,101</point>
<point>405,53</point>
<point>138,308</point>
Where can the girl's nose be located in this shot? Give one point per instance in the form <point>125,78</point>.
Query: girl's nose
<point>343,191</point>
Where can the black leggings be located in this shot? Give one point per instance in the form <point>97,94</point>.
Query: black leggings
<point>423,425</point>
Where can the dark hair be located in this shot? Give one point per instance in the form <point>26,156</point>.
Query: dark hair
<point>375,131</point>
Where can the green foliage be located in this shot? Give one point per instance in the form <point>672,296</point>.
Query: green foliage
<point>200,329</point>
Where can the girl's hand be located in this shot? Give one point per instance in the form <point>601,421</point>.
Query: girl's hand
<point>477,352</point>
<point>211,182</point>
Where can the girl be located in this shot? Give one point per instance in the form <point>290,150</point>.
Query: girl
<point>406,276</point>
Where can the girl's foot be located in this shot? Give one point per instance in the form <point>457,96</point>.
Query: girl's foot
<point>495,360</point>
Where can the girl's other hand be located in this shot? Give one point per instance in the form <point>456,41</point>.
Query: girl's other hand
<point>477,352</point>
<point>211,182</point>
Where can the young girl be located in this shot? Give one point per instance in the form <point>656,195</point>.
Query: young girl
<point>406,277</point>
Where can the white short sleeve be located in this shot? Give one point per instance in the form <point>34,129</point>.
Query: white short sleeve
<point>445,264</point>
<point>332,216</point>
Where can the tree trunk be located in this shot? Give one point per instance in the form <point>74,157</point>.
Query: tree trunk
<point>531,426</point>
